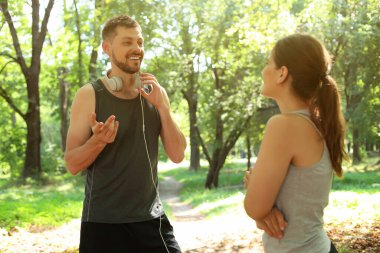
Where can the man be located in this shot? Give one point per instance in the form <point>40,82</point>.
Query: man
<point>113,135</point>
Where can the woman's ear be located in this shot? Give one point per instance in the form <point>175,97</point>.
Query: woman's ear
<point>283,74</point>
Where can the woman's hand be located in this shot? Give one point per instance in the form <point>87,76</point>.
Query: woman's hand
<point>246,177</point>
<point>273,224</point>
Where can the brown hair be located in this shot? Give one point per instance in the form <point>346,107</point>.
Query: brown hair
<point>309,63</point>
<point>109,30</point>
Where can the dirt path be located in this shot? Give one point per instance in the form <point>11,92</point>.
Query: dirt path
<point>62,239</point>
<point>227,233</point>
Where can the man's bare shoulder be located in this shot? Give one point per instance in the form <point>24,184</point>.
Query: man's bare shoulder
<point>86,92</point>
<point>86,89</point>
<point>84,100</point>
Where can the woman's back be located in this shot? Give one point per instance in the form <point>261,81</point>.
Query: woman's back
<point>304,193</point>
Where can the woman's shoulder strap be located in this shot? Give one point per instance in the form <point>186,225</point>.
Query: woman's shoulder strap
<point>306,116</point>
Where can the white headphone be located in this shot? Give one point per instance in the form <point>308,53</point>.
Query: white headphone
<point>115,83</point>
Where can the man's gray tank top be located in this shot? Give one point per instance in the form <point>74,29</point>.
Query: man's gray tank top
<point>119,186</point>
<point>302,199</point>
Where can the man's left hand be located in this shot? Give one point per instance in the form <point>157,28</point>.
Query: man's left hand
<point>158,96</point>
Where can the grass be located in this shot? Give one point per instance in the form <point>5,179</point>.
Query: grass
<point>355,197</point>
<point>58,199</point>
<point>47,203</point>
<point>211,202</point>
<point>43,204</point>
<point>357,192</point>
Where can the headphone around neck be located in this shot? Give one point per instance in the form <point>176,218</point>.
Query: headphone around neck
<point>115,83</point>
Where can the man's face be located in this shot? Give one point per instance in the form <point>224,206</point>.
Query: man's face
<point>126,49</point>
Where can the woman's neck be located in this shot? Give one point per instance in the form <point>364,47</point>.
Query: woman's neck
<point>291,105</point>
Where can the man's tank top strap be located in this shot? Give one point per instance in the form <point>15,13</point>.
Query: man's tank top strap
<point>98,85</point>
<point>99,91</point>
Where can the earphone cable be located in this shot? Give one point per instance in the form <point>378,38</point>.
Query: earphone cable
<point>151,168</point>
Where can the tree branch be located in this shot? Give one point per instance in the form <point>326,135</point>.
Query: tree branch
<point>204,148</point>
<point>38,38</point>
<point>9,100</point>
<point>9,56</point>
<point>341,44</point>
<point>234,135</point>
<point>12,29</point>
<point>5,65</point>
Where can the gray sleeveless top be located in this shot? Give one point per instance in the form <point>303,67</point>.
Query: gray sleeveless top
<point>119,186</point>
<point>302,199</point>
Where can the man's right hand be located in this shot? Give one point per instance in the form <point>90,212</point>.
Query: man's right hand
<point>104,132</point>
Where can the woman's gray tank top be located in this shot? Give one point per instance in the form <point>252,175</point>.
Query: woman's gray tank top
<point>302,199</point>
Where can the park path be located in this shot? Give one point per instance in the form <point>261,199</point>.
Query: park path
<point>232,232</point>
<point>195,234</point>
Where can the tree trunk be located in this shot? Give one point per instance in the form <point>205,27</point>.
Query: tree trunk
<point>212,179</point>
<point>79,34</point>
<point>32,166</point>
<point>63,105</point>
<point>219,158</point>
<point>95,44</point>
<point>216,162</point>
<point>194,141</point>
<point>93,60</point>
<point>249,152</point>
<point>192,100</point>
<point>356,157</point>
<point>210,176</point>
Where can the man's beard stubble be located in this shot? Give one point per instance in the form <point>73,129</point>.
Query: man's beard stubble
<point>125,67</point>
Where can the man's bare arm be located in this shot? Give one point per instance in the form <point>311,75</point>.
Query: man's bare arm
<point>86,137</point>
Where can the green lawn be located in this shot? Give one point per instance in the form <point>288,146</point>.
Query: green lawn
<point>49,203</point>
<point>58,199</point>
<point>357,192</point>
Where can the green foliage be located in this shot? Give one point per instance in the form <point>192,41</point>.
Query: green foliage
<point>12,144</point>
<point>350,30</point>
<point>189,40</point>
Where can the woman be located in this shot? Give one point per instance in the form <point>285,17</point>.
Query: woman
<point>301,149</point>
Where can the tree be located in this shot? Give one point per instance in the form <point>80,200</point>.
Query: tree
<point>97,20</point>
<point>63,104</point>
<point>239,42</point>
<point>227,104</point>
<point>31,74</point>
<point>184,51</point>
<point>190,53</point>
<point>350,30</point>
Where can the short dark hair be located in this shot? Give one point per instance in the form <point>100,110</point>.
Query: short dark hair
<point>109,30</point>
